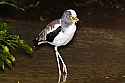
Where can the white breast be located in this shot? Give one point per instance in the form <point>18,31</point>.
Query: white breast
<point>64,36</point>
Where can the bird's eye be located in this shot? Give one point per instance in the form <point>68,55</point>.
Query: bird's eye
<point>72,17</point>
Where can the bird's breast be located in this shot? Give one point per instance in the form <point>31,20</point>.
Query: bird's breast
<point>69,30</point>
<point>64,36</point>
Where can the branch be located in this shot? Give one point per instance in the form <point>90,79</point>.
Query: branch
<point>11,4</point>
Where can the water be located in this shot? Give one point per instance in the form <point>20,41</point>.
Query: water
<point>96,54</point>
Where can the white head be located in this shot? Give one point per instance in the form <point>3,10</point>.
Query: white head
<point>69,16</point>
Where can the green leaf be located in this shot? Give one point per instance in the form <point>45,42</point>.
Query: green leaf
<point>3,26</point>
<point>12,58</point>
<point>28,49</point>
<point>8,61</point>
<point>3,66</point>
<point>25,46</point>
<point>8,43</point>
<point>6,50</point>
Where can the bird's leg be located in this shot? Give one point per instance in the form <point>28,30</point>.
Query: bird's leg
<point>59,70</point>
<point>64,69</point>
<point>64,66</point>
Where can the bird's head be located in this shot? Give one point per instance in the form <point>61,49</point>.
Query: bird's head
<point>70,16</point>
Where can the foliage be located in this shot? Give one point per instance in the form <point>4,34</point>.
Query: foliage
<point>9,2</point>
<point>12,3</point>
<point>8,43</point>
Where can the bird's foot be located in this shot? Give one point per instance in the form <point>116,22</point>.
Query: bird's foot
<point>64,69</point>
<point>64,73</point>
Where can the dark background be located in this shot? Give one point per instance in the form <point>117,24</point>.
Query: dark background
<point>96,54</point>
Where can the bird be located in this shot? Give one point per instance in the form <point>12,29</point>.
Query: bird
<point>59,33</point>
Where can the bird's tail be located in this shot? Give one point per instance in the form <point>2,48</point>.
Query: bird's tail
<point>36,43</point>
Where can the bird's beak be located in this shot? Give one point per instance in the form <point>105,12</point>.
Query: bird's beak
<point>74,19</point>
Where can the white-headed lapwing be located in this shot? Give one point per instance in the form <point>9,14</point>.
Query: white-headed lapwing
<point>58,33</point>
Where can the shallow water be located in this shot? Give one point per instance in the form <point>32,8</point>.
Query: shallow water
<point>96,54</point>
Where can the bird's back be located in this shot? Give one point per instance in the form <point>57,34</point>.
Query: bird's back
<point>48,29</point>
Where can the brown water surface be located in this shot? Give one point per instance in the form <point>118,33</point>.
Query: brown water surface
<point>96,54</point>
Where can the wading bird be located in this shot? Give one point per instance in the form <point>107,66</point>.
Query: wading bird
<point>58,33</point>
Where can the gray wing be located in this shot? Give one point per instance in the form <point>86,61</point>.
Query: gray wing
<point>48,29</point>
